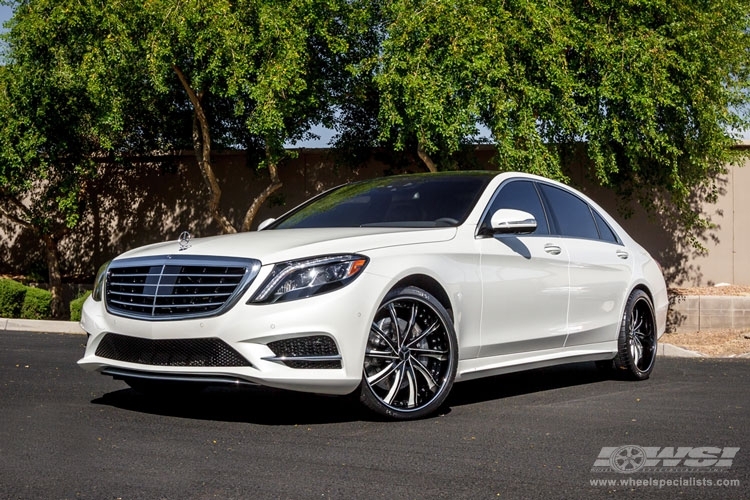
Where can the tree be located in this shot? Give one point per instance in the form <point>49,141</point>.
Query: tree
<point>68,104</point>
<point>86,83</point>
<point>663,90</point>
<point>268,62</point>
<point>654,91</point>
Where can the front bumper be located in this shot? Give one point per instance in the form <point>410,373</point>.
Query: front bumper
<point>343,316</point>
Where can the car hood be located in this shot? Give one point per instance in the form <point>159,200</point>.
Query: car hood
<point>279,245</point>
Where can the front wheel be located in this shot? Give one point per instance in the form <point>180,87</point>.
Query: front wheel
<point>636,345</point>
<point>411,356</point>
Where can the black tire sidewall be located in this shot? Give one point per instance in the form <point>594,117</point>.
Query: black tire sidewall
<point>623,361</point>
<point>373,402</point>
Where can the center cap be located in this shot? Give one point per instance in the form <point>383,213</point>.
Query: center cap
<point>403,353</point>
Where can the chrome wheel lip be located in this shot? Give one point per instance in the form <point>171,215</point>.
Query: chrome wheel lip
<point>407,365</point>
<point>642,335</point>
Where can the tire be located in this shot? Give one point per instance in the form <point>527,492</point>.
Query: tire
<point>636,345</point>
<point>411,356</point>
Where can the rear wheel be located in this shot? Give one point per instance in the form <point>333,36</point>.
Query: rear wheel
<point>411,356</point>
<point>637,341</point>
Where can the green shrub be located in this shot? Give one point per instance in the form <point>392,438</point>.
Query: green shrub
<point>76,305</point>
<point>37,304</point>
<point>12,294</point>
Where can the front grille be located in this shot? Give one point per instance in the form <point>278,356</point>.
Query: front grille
<point>317,351</point>
<point>169,352</point>
<point>176,287</point>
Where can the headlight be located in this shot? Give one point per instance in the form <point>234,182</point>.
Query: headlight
<point>99,282</point>
<point>304,278</point>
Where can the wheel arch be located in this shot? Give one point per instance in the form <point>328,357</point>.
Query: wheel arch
<point>644,288</point>
<point>429,285</point>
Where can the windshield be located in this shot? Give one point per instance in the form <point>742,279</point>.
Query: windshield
<point>422,200</point>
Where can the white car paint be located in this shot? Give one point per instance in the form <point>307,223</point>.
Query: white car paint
<point>517,301</point>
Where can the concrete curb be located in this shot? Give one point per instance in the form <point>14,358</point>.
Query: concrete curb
<point>672,351</point>
<point>40,326</point>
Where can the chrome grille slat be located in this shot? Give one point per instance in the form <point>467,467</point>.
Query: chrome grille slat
<point>207,275</point>
<point>166,306</point>
<point>174,287</point>
<point>119,283</point>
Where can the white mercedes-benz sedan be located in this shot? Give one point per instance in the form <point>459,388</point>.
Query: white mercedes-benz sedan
<point>394,288</point>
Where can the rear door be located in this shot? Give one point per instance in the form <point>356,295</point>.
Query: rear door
<point>600,267</point>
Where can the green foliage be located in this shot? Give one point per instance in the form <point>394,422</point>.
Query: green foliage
<point>21,301</point>
<point>76,305</point>
<point>37,304</point>
<point>268,60</point>
<point>71,101</point>
<point>655,90</point>
<point>11,298</point>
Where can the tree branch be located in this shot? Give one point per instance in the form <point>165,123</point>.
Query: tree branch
<point>202,148</point>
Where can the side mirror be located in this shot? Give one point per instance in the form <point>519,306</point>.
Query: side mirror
<point>510,221</point>
<point>266,223</point>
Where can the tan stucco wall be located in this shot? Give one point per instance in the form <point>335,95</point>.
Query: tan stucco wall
<point>728,257</point>
<point>137,205</point>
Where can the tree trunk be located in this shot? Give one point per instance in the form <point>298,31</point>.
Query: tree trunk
<point>55,277</point>
<point>426,158</point>
<point>262,197</point>
<point>202,148</point>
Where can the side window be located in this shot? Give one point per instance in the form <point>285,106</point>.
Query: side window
<point>571,214</point>
<point>521,195</point>
<point>605,232</point>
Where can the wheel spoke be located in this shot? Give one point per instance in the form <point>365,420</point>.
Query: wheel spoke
<point>420,368</point>
<point>380,354</point>
<point>395,322</point>
<point>410,325</point>
<point>425,333</point>
<point>411,378</point>
<point>637,322</point>
<point>399,377</point>
<point>380,333</point>
<point>440,355</point>
<point>376,378</point>
<point>636,349</point>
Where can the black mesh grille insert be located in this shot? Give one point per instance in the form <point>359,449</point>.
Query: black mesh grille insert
<point>307,347</point>
<point>175,287</point>
<point>169,352</point>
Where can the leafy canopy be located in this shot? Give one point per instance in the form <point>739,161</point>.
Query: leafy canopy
<point>655,90</point>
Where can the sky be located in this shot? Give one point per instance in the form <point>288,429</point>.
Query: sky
<point>5,13</point>
<point>325,134</point>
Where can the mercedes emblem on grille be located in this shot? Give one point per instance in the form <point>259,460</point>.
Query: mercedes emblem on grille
<point>184,240</point>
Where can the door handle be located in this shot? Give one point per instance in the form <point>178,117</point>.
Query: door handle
<point>622,254</point>
<point>552,249</point>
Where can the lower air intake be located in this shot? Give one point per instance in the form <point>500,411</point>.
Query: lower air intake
<point>317,351</point>
<point>204,352</point>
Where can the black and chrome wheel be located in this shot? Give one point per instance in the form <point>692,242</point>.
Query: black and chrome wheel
<point>411,356</point>
<point>636,345</point>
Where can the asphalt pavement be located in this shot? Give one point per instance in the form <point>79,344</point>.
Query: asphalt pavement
<point>67,433</point>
